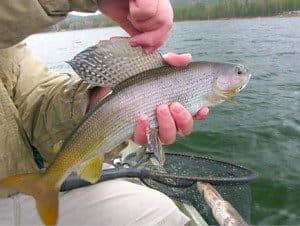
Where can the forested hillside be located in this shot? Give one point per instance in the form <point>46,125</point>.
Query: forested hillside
<point>196,10</point>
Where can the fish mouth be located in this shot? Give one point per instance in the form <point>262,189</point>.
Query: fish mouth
<point>245,84</point>
<point>230,93</point>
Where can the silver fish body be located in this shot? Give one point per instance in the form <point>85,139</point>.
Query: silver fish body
<point>113,120</point>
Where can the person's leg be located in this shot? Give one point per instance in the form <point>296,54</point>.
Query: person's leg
<point>7,211</point>
<point>116,202</point>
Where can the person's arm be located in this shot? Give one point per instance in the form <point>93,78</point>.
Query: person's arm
<point>21,18</point>
<point>50,104</point>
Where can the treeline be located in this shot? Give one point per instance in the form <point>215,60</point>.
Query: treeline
<point>195,10</point>
<point>198,10</point>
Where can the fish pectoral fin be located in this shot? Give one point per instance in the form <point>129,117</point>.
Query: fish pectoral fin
<point>233,102</point>
<point>91,171</point>
<point>154,145</point>
<point>112,61</point>
<point>46,197</point>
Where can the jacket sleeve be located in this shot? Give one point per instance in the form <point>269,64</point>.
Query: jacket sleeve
<point>21,18</point>
<point>50,104</point>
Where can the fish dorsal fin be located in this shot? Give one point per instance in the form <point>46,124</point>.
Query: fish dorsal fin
<point>112,61</point>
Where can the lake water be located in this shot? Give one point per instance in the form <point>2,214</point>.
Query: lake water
<point>261,132</point>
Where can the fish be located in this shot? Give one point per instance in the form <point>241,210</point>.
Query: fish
<point>140,82</point>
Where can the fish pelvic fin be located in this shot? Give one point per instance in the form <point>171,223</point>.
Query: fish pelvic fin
<point>154,145</point>
<point>112,61</point>
<point>46,197</point>
<point>92,170</point>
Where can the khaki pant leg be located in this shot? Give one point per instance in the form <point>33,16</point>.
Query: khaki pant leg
<point>115,202</point>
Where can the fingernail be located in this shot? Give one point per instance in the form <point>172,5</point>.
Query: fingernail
<point>187,55</point>
<point>149,49</point>
<point>202,114</point>
<point>165,56</point>
<point>133,42</point>
<point>205,111</point>
<point>142,117</point>
<point>176,108</point>
<point>163,109</point>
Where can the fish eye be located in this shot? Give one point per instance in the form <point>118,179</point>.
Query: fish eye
<point>239,69</point>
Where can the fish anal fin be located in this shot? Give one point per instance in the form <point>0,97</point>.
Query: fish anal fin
<point>109,156</point>
<point>46,196</point>
<point>154,145</point>
<point>112,61</point>
<point>91,171</point>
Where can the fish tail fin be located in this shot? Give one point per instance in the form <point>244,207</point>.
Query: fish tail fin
<point>46,196</point>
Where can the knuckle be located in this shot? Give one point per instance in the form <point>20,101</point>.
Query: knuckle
<point>142,14</point>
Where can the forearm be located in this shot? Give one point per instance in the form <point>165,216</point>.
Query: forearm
<point>50,104</point>
<point>21,18</point>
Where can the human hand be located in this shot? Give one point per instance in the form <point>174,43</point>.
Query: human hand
<point>171,119</point>
<point>148,22</point>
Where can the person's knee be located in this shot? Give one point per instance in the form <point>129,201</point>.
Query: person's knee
<point>119,202</point>
<point>159,209</point>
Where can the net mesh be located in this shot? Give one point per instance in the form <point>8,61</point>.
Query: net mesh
<point>178,177</point>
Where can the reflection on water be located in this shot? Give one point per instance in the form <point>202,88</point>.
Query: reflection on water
<point>263,130</point>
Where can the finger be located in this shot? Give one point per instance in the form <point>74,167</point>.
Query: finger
<point>149,49</point>
<point>139,135</point>
<point>182,118</point>
<point>202,113</point>
<point>154,38</point>
<point>178,60</point>
<point>166,124</point>
<point>141,10</point>
<point>128,27</point>
<point>147,25</point>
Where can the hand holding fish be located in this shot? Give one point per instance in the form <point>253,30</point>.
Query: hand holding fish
<point>171,119</point>
<point>148,22</point>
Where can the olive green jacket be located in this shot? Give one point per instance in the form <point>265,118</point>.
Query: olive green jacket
<point>38,107</point>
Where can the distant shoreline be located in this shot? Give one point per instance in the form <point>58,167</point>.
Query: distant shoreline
<point>246,18</point>
<point>282,15</point>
